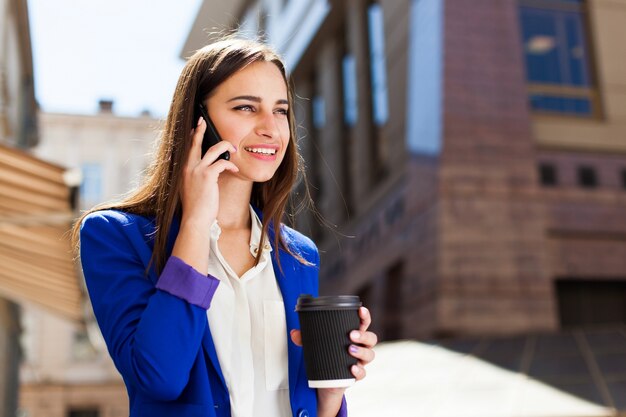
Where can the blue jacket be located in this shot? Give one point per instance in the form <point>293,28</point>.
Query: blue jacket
<point>158,334</point>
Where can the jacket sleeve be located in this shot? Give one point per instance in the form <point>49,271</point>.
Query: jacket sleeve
<point>343,411</point>
<point>152,334</point>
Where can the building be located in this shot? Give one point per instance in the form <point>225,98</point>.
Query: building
<point>37,267</point>
<point>108,151</point>
<point>472,156</point>
<point>67,371</point>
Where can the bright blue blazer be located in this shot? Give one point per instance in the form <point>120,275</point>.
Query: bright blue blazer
<point>162,344</point>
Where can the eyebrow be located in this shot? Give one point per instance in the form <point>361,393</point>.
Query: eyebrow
<point>256,99</point>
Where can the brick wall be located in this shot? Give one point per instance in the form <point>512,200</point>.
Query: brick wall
<point>492,260</point>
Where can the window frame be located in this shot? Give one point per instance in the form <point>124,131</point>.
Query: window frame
<point>591,92</point>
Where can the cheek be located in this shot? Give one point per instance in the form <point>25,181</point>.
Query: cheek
<point>285,134</point>
<point>234,134</point>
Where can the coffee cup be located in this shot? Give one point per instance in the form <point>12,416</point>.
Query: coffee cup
<point>326,323</point>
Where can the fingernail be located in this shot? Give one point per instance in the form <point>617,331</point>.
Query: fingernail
<point>199,120</point>
<point>354,334</point>
<point>354,349</point>
<point>355,369</point>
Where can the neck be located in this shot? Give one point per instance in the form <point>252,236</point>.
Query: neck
<point>234,210</point>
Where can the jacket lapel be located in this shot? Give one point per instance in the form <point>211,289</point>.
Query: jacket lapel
<point>289,282</point>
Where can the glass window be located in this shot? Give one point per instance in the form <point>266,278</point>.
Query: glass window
<point>350,104</point>
<point>378,68</point>
<point>91,187</point>
<point>82,349</point>
<point>319,112</point>
<point>587,177</point>
<point>547,174</point>
<point>557,56</point>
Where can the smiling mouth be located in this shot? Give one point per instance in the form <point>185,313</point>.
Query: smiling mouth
<point>262,151</point>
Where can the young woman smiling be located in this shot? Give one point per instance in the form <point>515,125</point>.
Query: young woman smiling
<point>193,277</point>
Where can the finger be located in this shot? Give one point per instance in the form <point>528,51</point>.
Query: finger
<point>367,339</point>
<point>364,355</point>
<point>296,337</point>
<point>220,166</point>
<point>358,371</point>
<point>216,150</point>
<point>366,318</point>
<point>197,133</point>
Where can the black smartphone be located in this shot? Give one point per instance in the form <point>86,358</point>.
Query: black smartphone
<point>211,137</point>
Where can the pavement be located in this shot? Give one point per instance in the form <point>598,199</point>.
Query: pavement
<point>410,378</point>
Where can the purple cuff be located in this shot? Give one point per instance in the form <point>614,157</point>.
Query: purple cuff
<point>183,281</point>
<point>343,411</point>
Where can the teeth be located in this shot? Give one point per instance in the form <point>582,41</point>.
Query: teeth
<point>263,151</point>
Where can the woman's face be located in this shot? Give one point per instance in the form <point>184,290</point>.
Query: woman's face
<point>249,110</point>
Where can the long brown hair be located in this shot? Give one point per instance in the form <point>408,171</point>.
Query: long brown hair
<point>159,194</point>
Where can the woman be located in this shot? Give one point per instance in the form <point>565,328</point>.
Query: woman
<point>188,343</point>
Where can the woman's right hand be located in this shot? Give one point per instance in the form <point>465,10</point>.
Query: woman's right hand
<point>200,198</point>
<point>200,193</point>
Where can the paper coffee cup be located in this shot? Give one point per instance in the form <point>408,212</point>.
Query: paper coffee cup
<point>326,323</point>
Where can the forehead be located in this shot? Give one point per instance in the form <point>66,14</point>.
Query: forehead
<point>262,79</point>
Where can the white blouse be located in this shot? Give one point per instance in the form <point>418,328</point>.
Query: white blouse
<point>248,325</point>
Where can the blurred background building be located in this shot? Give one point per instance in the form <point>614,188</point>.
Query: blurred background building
<point>35,208</point>
<point>107,150</point>
<point>473,157</point>
<point>471,154</point>
<point>66,370</point>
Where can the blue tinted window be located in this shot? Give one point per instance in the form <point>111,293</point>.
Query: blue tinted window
<point>91,187</point>
<point>541,46</point>
<point>576,52</point>
<point>556,55</point>
<point>377,64</point>
<point>319,112</point>
<point>560,104</point>
<point>350,103</point>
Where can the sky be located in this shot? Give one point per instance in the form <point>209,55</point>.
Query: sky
<point>127,51</point>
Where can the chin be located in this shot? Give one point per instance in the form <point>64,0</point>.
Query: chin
<point>261,179</point>
<point>259,176</point>
<point>258,172</point>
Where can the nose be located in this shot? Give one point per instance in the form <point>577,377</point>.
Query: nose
<point>267,126</point>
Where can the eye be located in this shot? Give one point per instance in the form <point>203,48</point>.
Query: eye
<point>245,107</point>
<point>281,111</point>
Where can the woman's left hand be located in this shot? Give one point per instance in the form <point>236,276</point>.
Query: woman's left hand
<point>363,342</point>
<point>362,345</point>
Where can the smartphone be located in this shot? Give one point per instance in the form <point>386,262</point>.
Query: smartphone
<point>211,137</point>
